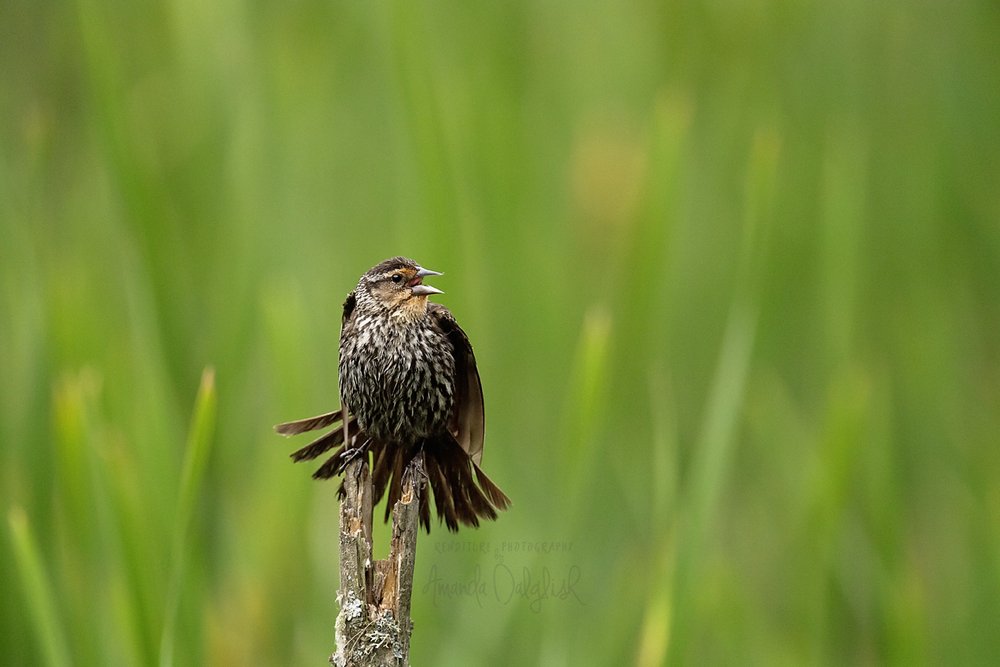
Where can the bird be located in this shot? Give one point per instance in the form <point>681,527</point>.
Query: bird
<point>408,384</point>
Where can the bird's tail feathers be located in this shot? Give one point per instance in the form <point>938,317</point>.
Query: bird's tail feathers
<point>463,494</point>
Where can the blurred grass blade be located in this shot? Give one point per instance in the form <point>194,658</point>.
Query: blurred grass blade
<point>37,590</point>
<point>717,435</point>
<point>655,632</point>
<point>588,386</point>
<point>709,468</point>
<point>843,230</point>
<point>663,463</point>
<point>195,457</point>
<point>718,431</point>
<point>654,637</point>
<point>717,438</point>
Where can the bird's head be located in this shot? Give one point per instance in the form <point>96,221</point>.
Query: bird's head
<point>397,285</point>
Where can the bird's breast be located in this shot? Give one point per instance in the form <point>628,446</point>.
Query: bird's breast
<point>397,379</point>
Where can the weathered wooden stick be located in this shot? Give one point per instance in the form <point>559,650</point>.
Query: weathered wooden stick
<point>374,626</point>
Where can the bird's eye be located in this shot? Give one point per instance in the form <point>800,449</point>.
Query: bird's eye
<point>396,278</point>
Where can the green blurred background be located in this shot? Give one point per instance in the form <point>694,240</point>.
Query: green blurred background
<point>730,269</point>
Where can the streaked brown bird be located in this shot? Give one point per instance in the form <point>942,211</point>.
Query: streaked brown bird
<point>408,382</point>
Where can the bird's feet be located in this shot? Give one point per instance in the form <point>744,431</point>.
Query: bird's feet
<point>349,454</point>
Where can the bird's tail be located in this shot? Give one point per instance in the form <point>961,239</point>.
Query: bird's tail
<point>462,492</point>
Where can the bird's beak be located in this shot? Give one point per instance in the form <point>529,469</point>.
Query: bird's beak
<point>418,288</point>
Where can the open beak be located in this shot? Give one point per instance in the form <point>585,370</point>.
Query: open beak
<point>417,286</point>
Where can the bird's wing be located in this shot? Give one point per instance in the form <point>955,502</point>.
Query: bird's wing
<point>347,329</point>
<point>309,424</point>
<point>349,304</point>
<point>468,419</point>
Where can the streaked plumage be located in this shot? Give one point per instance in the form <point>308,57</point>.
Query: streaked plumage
<point>408,381</point>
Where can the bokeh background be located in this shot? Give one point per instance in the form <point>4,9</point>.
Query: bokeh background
<point>731,269</point>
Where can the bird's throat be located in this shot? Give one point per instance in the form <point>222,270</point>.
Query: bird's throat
<point>411,309</point>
